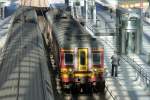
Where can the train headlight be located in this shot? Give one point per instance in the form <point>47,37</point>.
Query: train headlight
<point>95,70</point>
<point>70,70</point>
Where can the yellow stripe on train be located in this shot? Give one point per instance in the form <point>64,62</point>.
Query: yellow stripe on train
<point>66,70</point>
<point>82,74</point>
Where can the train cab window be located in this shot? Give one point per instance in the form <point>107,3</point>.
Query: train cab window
<point>96,58</point>
<point>82,58</point>
<point>68,58</point>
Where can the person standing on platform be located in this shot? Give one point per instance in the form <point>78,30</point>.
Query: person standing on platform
<point>115,63</point>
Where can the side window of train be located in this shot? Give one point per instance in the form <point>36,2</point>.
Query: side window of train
<point>96,58</point>
<point>82,58</point>
<point>68,58</point>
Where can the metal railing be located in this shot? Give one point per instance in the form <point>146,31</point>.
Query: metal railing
<point>97,29</point>
<point>141,72</point>
<point>111,92</point>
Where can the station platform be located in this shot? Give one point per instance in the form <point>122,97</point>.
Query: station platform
<point>130,84</point>
<point>127,86</point>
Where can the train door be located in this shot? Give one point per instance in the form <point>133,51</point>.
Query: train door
<point>82,59</point>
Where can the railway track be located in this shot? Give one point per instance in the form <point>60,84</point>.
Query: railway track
<point>81,96</point>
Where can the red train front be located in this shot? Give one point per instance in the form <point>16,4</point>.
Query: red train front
<point>79,56</point>
<point>82,68</point>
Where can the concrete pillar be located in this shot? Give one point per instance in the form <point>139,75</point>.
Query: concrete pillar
<point>70,4</point>
<point>86,11</point>
<point>81,11</point>
<point>94,13</point>
<point>72,8</point>
<point>82,4</point>
<point>78,11</point>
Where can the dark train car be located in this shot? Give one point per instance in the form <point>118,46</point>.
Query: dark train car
<point>10,9</point>
<point>79,57</point>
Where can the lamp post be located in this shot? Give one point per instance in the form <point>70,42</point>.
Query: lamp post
<point>72,7</point>
<point>91,8</point>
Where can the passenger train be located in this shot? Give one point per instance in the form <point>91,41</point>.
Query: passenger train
<point>79,56</point>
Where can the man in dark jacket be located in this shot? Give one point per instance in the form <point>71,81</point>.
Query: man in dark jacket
<point>115,63</point>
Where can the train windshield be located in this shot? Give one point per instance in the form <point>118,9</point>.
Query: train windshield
<point>68,58</point>
<point>96,58</point>
<point>82,58</point>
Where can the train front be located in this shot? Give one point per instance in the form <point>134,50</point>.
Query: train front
<point>82,69</point>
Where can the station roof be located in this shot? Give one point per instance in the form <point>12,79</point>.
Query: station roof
<point>43,3</point>
<point>34,3</point>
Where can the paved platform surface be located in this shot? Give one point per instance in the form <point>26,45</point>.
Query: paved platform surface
<point>128,85</point>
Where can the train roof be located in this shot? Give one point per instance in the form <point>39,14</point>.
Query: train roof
<point>70,34</point>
